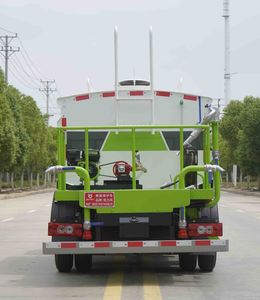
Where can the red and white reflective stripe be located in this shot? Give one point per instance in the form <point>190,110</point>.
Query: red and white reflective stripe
<point>217,242</point>
<point>136,244</point>
<point>139,93</point>
<point>190,97</point>
<point>203,243</point>
<point>68,245</point>
<point>168,243</point>
<point>108,94</point>
<point>82,97</point>
<point>136,93</point>
<point>163,94</point>
<point>102,244</point>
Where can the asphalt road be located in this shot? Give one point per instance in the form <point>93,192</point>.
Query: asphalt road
<point>27,274</point>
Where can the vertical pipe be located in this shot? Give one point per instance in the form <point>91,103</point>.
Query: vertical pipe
<point>181,149</point>
<point>217,178</point>
<point>58,160</point>
<point>200,118</point>
<point>181,111</point>
<point>182,210</point>
<point>133,160</point>
<point>215,142</point>
<point>86,150</point>
<point>207,156</point>
<point>116,71</point>
<point>86,214</point>
<point>227,75</point>
<point>151,73</point>
<point>63,157</point>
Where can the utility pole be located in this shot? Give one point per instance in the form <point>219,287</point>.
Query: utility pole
<point>47,90</point>
<point>7,50</point>
<point>227,73</point>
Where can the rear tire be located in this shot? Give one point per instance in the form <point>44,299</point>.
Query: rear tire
<point>188,262</point>
<point>83,262</point>
<point>207,263</point>
<point>64,262</point>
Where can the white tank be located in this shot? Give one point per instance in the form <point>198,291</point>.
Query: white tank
<point>133,106</point>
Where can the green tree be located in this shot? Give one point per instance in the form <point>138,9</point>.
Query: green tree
<point>52,146</point>
<point>230,126</point>
<point>26,142</point>
<point>224,154</point>
<point>8,141</point>
<point>37,132</point>
<point>14,98</point>
<point>248,150</point>
<point>240,130</point>
<point>2,82</point>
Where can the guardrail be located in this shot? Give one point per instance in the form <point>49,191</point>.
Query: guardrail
<point>133,129</point>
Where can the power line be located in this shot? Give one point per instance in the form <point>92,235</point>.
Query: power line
<point>19,79</point>
<point>29,66</point>
<point>32,73</point>
<point>8,31</point>
<point>7,50</point>
<point>30,60</point>
<point>22,77</point>
<point>17,62</point>
<point>26,57</point>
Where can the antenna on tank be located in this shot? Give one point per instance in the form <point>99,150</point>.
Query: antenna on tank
<point>151,71</point>
<point>116,71</point>
<point>89,85</point>
<point>116,84</point>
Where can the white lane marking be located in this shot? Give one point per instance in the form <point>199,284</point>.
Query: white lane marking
<point>240,211</point>
<point>47,205</point>
<point>222,205</point>
<point>31,211</point>
<point>7,220</point>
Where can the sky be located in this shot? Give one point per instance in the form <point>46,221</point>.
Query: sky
<point>71,41</point>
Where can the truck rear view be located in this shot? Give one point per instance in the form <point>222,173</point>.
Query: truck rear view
<point>149,187</point>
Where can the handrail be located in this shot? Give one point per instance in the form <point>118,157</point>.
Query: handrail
<point>205,168</point>
<point>134,130</point>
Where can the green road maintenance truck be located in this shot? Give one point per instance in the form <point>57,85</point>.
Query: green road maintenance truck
<point>138,173</point>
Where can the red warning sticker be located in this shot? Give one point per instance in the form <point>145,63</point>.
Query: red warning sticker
<point>99,199</point>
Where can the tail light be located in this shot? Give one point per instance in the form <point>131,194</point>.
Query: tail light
<point>205,229</point>
<point>64,229</point>
<point>182,233</point>
<point>87,235</point>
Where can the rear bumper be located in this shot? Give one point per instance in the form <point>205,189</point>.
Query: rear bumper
<point>128,247</point>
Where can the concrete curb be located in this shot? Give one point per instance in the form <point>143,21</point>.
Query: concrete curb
<point>241,192</point>
<point>19,194</point>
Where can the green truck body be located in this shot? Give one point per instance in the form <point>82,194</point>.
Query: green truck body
<point>133,211</point>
